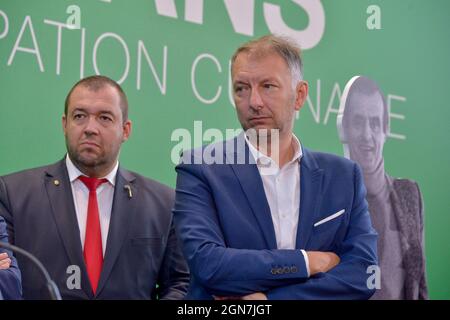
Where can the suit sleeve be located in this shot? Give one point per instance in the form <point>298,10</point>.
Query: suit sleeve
<point>173,278</point>
<point>349,279</point>
<point>221,270</point>
<point>5,211</point>
<point>10,279</point>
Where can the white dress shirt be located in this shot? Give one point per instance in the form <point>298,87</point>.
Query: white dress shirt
<point>282,189</point>
<point>105,195</point>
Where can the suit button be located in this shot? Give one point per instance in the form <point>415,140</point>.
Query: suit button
<point>294,269</point>
<point>286,270</point>
<point>279,270</point>
<point>273,271</point>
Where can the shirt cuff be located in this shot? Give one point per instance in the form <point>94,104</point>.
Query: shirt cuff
<point>306,261</point>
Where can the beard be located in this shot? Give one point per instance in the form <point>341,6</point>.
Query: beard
<point>85,158</point>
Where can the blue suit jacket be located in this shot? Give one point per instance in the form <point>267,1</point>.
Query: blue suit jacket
<point>224,222</point>
<point>10,284</point>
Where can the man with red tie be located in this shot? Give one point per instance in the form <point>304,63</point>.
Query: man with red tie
<point>102,231</point>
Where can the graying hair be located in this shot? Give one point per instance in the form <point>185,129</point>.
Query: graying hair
<point>283,46</point>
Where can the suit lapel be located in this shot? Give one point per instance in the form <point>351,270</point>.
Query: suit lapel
<point>250,181</point>
<point>311,177</point>
<point>122,209</point>
<point>61,200</point>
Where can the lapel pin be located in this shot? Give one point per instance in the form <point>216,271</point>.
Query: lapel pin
<point>128,188</point>
<point>56,182</point>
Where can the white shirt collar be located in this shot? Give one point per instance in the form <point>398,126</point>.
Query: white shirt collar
<point>74,173</point>
<point>258,155</point>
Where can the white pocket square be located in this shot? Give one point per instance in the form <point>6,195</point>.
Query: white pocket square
<point>333,216</point>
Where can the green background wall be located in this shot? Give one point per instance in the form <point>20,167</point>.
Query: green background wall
<point>408,57</point>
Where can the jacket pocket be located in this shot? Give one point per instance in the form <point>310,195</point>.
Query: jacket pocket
<point>329,218</point>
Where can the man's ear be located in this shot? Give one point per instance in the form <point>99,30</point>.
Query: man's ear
<point>387,129</point>
<point>340,126</point>
<point>64,123</point>
<point>126,130</point>
<point>301,91</point>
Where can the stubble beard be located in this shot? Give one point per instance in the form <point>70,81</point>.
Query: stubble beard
<point>86,164</point>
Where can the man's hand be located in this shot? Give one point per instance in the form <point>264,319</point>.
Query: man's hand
<point>255,296</point>
<point>251,296</point>
<point>321,261</point>
<point>5,261</point>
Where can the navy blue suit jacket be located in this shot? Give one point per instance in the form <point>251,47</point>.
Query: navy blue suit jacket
<point>142,260</point>
<point>10,284</point>
<point>224,222</point>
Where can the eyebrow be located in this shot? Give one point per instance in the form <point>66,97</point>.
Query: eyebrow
<point>268,79</point>
<point>362,117</point>
<point>84,110</point>
<point>240,83</point>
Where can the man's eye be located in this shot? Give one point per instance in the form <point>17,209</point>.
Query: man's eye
<point>269,85</point>
<point>241,88</point>
<point>78,116</point>
<point>358,123</point>
<point>375,124</point>
<point>105,118</point>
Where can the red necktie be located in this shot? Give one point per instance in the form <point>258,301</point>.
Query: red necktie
<point>93,253</point>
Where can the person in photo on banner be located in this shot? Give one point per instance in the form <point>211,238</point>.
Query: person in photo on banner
<point>395,204</point>
<point>269,218</point>
<point>102,232</point>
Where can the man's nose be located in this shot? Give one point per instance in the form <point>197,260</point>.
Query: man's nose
<point>91,126</point>
<point>366,133</point>
<point>256,102</point>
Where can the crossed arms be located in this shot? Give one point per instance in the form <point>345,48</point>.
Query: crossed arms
<point>226,271</point>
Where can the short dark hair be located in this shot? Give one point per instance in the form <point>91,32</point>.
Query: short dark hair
<point>96,83</point>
